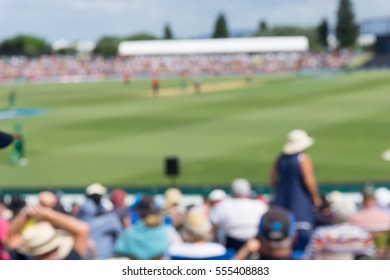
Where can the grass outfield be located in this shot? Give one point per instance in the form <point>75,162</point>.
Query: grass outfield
<point>119,135</point>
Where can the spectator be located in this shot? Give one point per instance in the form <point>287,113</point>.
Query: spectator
<point>275,238</point>
<point>148,238</point>
<point>214,199</point>
<point>340,240</point>
<point>239,216</point>
<point>295,186</point>
<point>173,198</point>
<point>374,219</point>
<point>117,198</point>
<point>3,232</point>
<point>197,234</point>
<point>54,235</point>
<point>93,205</point>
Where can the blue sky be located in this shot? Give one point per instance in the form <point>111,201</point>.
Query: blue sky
<point>91,19</point>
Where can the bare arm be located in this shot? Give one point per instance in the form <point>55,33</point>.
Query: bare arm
<point>15,228</point>
<point>77,228</point>
<point>273,176</point>
<point>251,246</point>
<point>309,179</point>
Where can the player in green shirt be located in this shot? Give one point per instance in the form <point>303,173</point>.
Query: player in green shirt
<point>18,155</point>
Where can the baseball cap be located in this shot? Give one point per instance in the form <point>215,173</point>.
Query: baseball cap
<point>277,224</point>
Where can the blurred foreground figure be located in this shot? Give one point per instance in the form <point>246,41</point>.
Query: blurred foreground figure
<point>239,216</point>
<point>39,232</point>
<point>148,238</point>
<point>342,240</point>
<point>275,238</point>
<point>295,186</point>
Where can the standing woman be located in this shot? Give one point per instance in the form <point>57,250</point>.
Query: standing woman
<point>294,184</point>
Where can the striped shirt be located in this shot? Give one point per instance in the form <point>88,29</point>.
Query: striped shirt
<point>341,241</point>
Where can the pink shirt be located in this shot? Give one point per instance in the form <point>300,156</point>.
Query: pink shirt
<point>3,237</point>
<point>372,219</point>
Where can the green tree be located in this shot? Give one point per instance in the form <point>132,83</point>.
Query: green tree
<point>309,32</point>
<point>262,29</point>
<point>220,29</point>
<point>27,45</point>
<point>168,35</point>
<point>107,46</point>
<point>141,37</point>
<point>346,28</point>
<point>323,32</point>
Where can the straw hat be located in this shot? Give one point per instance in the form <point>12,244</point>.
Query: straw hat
<point>197,225</point>
<point>172,197</point>
<point>42,238</point>
<point>297,142</point>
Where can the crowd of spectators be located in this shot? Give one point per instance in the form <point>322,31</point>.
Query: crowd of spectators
<point>73,68</point>
<point>243,225</point>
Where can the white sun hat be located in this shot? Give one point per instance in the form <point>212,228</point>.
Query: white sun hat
<point>96,188</point>
<point>217,195</point>
<point>386,155</point>
<point>297,142</point>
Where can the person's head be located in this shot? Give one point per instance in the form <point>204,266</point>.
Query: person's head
<point>298,141</point>
<point>118,197</point>
<point>197,226</point>
<point>95,192</point>
<point>172,197</point>
<point>149,211</point>
<point>382,196</point>
<point>241,188</point>
<point>42,241</point>
<point>277,230</point>
<point>216,196</point>
<point>47,199</point>
<point>75,209</point>
<point>368,194</point>
<point>16,204</point>
<point>342,209</point>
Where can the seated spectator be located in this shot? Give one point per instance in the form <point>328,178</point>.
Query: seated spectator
<point>54,235</point>
<point>374,219</point>
<point>340,240</point>
<point>117,198</point>
<point>173,198</point>
<point>324,215</point>
<point>275,239</point>
<point>3,232</point>
<point>239,216</point>
<point>104,231</point>
<point>214,199</point>
<point>16,204</point>
<point>93,205</point>
<point>148,238</point>
<point>197,233</point>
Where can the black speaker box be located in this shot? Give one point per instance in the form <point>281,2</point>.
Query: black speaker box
<point>172,166</point>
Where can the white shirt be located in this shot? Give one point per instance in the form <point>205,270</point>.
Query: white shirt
<point>239,217</point>
<point>197,250</point>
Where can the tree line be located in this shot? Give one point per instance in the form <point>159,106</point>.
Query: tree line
<point>346,33</point>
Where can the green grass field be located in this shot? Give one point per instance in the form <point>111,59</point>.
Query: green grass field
<point>117,135</point>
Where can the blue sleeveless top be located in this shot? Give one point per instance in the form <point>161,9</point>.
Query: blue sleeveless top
<point>290,191</point>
